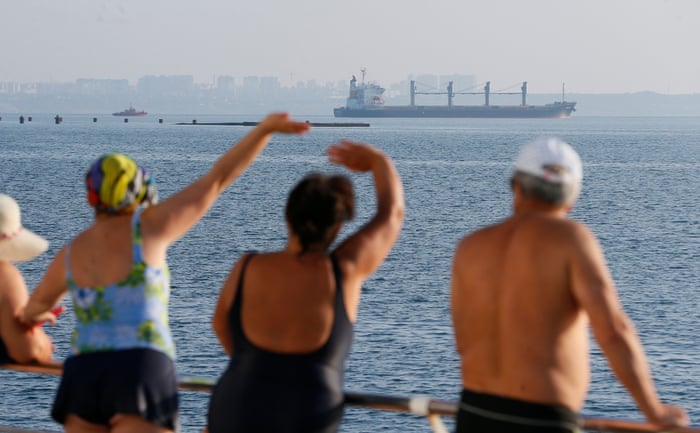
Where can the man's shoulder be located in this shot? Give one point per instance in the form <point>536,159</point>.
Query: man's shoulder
<point>551,223</point>
<point>563,236</point>
<point>572,227</point>
<point>481,232</point>
<point>479,239</point>
<point>543,227</point>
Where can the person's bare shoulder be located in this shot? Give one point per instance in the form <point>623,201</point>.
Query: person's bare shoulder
<point>576,232</point>
<point>575,243</point>
<point>483,232</point>
<point>469,239</point>
<point>473,242</point>
<point>561,230</point>
<point>585,245</point>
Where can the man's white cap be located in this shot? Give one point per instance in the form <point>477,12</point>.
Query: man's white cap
<point>550,159</point>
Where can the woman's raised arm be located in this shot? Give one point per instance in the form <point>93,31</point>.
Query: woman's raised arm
<point>366,249</point>
<point>169,220</point>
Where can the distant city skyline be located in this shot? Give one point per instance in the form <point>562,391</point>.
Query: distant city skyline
<point>595,46</point>
<point>424,81</point>
<point>252,95</point>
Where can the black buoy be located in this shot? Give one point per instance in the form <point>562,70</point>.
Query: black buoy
<point>58,119</point>
<point>29,119</point>
<point>194,121</point>
<point>160,120</point>
<point>21,119</point>
<point>94,120</point>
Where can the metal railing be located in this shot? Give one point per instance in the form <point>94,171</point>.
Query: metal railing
<point>432,409</point>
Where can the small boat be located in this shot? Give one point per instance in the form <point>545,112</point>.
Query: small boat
<point>131,111</point>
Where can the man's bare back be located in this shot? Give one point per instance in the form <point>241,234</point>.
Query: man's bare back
<point>521,331</point>
<point>524,292</point>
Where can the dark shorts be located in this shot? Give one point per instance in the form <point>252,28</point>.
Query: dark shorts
<point>4,356</point>
<point>97,386</point>
<point>488,413</point>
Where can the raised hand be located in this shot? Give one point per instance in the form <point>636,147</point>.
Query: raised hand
<point>281,123</point>
<point>354,156</point>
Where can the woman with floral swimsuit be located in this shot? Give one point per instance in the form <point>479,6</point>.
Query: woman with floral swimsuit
<point>121,376</point>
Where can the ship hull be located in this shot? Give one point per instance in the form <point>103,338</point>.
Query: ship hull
<point>552,111</point>
<point>129,114</point>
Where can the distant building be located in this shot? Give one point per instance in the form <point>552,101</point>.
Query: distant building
<point>95,87</point>
<point>269,83</point>
<point>226,84</point>
<point>10,88</point>
<point>166,85</point>
<point>49,88</point>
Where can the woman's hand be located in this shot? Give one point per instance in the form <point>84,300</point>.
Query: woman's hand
<point>39,319</point>
<point>281,123</point>
<point>354,156</point>
<point>669,416</point>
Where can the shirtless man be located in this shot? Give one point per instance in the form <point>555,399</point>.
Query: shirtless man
<point>524,292</point>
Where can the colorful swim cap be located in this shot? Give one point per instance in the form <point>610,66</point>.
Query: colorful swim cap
<point>116,184</point>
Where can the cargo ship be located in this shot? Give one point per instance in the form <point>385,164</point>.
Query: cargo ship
<point>365,100</point>
<point>131,111</point>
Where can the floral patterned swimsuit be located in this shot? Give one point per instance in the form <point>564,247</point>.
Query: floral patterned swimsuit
<point>130,314</point>
<point>123,352</point>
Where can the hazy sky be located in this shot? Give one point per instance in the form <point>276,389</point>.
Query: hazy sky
<point>594,46</point>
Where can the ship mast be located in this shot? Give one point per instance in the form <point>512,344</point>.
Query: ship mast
<point>562,93</point>
<point>364,71</point>
<point>413,93</point>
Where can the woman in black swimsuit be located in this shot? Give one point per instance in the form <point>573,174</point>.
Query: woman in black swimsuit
<point>286,317</point>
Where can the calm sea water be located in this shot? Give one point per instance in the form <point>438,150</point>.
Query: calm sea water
<point>641,198</point>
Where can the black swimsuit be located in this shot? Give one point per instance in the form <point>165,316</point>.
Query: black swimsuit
<point>263,391</point>
<point>487,413</point>
<point>4,355</point>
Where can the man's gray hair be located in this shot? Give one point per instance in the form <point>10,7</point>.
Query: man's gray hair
<point>548,192</point>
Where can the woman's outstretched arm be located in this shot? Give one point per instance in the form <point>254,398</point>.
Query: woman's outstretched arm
<point>170,220</point>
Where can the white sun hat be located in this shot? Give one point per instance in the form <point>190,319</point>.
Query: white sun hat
<point>17,244</point>
<point>550,159</point>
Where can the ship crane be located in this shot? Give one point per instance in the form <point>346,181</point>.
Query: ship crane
<point>451,93</point>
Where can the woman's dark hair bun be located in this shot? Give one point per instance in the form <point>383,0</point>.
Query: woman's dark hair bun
<point>316,205</point>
